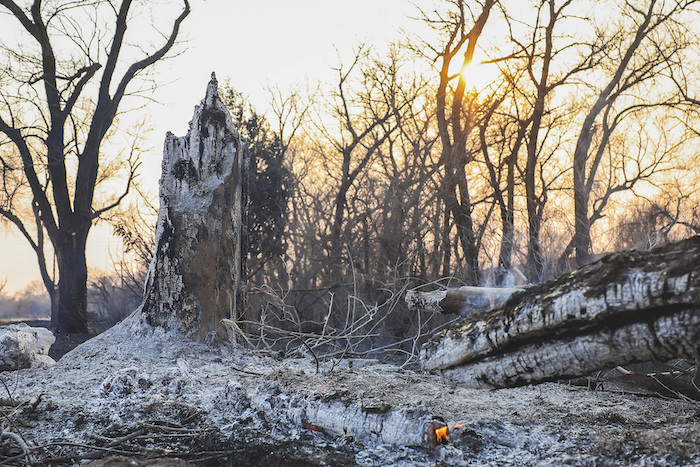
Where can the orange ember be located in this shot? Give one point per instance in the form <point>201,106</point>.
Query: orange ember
<point>312,427</point>
<point>325,386</point>
<point>438,433</point>
<point>441,434</point>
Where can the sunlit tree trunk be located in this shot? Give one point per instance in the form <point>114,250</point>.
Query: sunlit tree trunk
<point>535,202</point>
<point>582,233</point>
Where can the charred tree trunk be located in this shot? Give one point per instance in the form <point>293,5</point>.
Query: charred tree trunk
<point>197,276</point>
<point>627,307</point>
<point>71,311</point>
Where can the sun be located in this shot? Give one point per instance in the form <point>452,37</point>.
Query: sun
<point>480,73</point>
<point>479,76</point>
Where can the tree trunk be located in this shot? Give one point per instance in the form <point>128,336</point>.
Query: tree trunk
<point>582,234</point>
<point>505,255</point>
<point>460,210</point>
<point>534,202</point>
<point>465,229</point>
<point>337,253</point>
<point>583,181</point>
<point>197,276</point>
<point>535,260</point>
<point>71,311</point>
<point>506,203</point>
<point>627,307</point>
<point>534,221</point>
<point>445,248</point>
<point>454,128</point>
<point>53,300</point>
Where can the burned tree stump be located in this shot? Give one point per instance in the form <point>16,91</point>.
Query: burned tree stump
<point>197,275</point>
<point>627,307</point>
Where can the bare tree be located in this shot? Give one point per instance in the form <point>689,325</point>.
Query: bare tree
<point>541,52</point>
<point>402,200</point>
<point>504,135</point>
<point>639,55</point>
<point>461,26</point>
<point>135,226</point>
<point>383,180</point>
<point>364,106</point>
<point>71,70</point>
<point>537,67</point>
<point>646,223</point>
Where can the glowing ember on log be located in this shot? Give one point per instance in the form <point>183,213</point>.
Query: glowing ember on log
<point>438,433</point>
<point>441,434</point>
<point>312,427</point>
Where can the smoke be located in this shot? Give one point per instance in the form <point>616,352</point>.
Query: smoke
<point>32,302</point>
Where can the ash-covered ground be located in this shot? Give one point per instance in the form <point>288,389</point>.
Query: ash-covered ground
<point>141,393</point>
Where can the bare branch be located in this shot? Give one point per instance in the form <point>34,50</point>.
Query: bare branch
<point>151,59</point>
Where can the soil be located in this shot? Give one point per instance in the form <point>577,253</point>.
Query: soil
<point>150,396</point>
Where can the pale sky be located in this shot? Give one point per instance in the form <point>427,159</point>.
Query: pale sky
<point>253,43</point>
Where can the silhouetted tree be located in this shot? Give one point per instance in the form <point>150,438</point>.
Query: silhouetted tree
<point>461,27</point>
<point>61,91</point>
<point>642,53</point>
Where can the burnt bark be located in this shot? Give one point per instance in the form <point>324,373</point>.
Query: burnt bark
<point>71,310</point>
<point>624,308</point>
<point>197,276</point>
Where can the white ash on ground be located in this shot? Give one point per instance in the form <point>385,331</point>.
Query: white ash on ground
<point>140,392</point>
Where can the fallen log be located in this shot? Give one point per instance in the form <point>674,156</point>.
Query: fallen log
<point>464,301</point>
<point>624,308</point>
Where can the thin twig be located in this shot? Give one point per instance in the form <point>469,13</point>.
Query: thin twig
<point>22,444</point>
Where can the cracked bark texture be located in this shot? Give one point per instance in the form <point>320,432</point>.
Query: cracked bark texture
<point>626,307</point>
<point>197,275</point>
